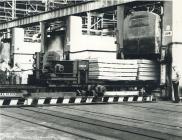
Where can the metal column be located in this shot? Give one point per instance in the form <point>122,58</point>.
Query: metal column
<point>166,67</point>
<point>119,32</point>
<point>43,31</point>
<point>13,9</point>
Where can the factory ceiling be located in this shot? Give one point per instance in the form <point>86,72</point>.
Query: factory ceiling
<point>12,9</point>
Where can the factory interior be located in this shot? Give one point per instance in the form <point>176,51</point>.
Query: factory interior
<point>90,69</point>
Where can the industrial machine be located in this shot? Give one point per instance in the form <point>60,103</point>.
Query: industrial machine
<point>142,41</point>
<point>139,73</point>
<point>49,70</point>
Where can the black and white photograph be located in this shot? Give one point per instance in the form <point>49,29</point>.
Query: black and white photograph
<point>90,70</point>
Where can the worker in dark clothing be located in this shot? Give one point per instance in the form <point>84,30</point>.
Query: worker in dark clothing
<point>2,77</point>
<point>4,68</point>
<point>175,82</point>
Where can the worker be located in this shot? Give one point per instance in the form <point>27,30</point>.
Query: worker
<point>175,83</point>
<point>4,69</point>
<point>17,74</point>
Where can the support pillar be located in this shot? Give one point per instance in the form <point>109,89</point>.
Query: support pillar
<point>88,22</point>
<point>119,32</point>
<point>43,31</point>
<point>177,40</point>
<point>13,9</point>
<point>166,68</point>
<point>17,42</point>
<point>46,5</point>
<point>73,36</point>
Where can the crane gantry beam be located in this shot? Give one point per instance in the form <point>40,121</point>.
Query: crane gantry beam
<point>59,13</point>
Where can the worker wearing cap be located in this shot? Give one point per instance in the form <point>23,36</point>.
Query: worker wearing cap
<point>175,82</point>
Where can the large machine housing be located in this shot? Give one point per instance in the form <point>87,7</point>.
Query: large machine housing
<point>142,35</point>
<point>56,72</point>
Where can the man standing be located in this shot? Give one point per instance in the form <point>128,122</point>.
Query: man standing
<point>4,68</point>
<point>175,82</point>
<point>17,74</point>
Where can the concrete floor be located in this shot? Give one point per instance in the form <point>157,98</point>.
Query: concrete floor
<point>19,130</point>
<point>135,121</point>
